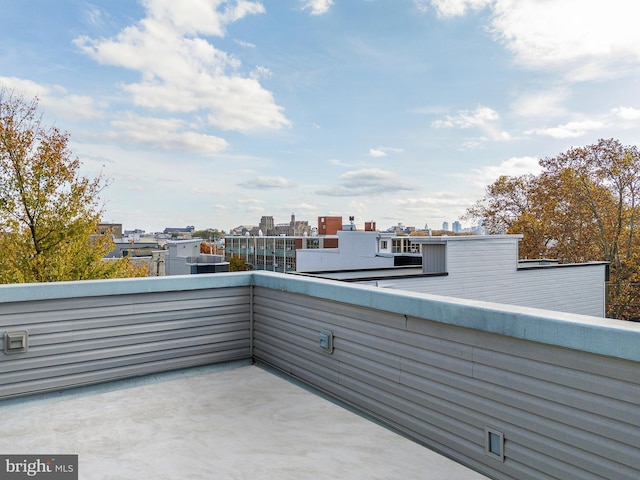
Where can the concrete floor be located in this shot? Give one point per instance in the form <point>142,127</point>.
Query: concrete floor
<point>242,423</point>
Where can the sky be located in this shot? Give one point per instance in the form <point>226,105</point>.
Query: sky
<point>214,113</point>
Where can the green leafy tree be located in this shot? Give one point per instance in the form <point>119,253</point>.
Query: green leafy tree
<point>582,207</point>
<point>48,211</point>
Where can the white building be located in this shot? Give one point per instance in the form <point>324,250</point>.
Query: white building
<point>356,250</point>
<point>185,258</point>
<point>482,267</point>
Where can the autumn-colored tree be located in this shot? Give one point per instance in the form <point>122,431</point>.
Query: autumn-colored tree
<point>582,207</point>
<point>237,264</point>
<point>512,205</point>
<point>48,211</point>
<point>208,248</point>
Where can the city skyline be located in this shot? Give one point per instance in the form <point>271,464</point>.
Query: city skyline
<point>214,113</point>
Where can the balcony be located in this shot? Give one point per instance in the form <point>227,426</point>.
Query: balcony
<point>258,375</point>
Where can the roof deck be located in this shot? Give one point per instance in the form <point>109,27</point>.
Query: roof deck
<point>512,393</point>
<point>240,422</point>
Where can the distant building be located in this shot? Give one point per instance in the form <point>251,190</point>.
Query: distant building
<point>299,227</point>
<point>400,229</point>
<point>185,258</point>
<point>329,225</point>
<point>273,253</point>
<point>146,254</point>
<point>457,227</point>
<point>473,267</point>
<point>445,226</point>
<point>267,225</point>
<point>360,250</point>
<point>370,226</point>
<point>188,230</point>
<point>114,229</point>
<point>245,230</point>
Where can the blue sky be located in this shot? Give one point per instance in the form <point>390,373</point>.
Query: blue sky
<point>213,113</point>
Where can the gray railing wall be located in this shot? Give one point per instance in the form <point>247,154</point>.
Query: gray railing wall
<point>565,413</point>
<point>77,340</point>
<point>563,389</point>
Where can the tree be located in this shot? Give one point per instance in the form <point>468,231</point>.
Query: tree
<point>237,264</point>
<point>211,234</point>
<point>48,211</point>
<point>511,205</point>
<point>582,207</point>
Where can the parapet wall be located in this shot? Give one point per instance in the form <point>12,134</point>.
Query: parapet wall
<point>557,395</point>
<point>81,333</point>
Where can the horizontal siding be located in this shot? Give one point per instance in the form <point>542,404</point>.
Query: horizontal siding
<point>488,271</point>
<point>565,414</point>
<point>565,289</point>
<point>474,256</point>
<point>78,341</point>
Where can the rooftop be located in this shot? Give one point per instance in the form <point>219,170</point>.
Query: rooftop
<point>511,392</point>
<point>242,422</point>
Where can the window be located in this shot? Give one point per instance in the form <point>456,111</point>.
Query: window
<point>383,245</point>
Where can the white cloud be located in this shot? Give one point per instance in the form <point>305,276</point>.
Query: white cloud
<point>317,7</point>
<point>587,39</point>
<point>377,153</point>
<point>53,99</point>
<point>367,181</point>
<point>512,167</point>
<point>248,201</point>
<point>452,8</point>
<point>569,130</point>
<point>483,118</point>
<point>249,205</point>
<point>199,16</point>
<point>541,104</point>
<point>340,163</point>
<point>244,44</point>
<point>301,208</point>
<point>165,134</point>
<point>435,205</point>
<point>584,39</point>
<point>626,113</point>
<point>265,183</point>
<point>468,118</point>
<point>367,176</point>
<point>182,72</point>
<point>380,152</point>
<point>580,125</point>
<point>421,5</point>
<point>260,72</point>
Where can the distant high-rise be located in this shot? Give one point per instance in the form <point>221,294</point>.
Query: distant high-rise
<point>445,226</point>
<point>457,227</point>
